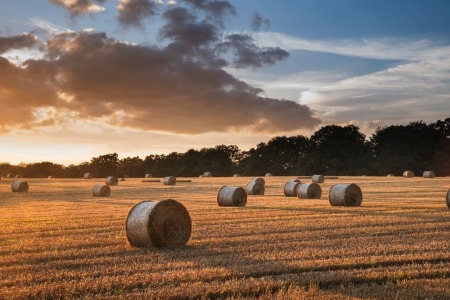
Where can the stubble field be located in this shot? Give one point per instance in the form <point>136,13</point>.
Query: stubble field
<point>58,241</point>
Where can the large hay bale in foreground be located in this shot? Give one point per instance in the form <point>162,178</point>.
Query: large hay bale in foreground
<point>258,180</point>
<point>290,188</point>
<point>408,174</point>
<point>255,188</point>
<point>428,174</point>
<point>111,180</point>
<point>318,179</point>
<point>169,180</point>
<point>448,198</point>
<point>87,176</point>
<point>162,224</point>
<point>19,186</point>
<point>231,196</point>
<point>309,191</point>
<point>207,174</point>
<point>148,175</point>
<point>345,195</point>
<point>101,190</point>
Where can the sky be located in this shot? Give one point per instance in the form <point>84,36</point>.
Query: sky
<point>83,78</point>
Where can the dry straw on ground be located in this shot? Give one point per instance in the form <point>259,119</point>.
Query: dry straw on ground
<point>231,196</point>
<point>101,190</point>
<point>111,180</point>
<point>19,186</point>
<point>345,195</point>
<point>290,188</point>
<point>318,178</point>
<point>165,223</point>
<point>408,174</point>
<point>428,174</point>
<point>169,180</point>
<point>254,188</point>
<point>309,191</point>
<point>87,176</point>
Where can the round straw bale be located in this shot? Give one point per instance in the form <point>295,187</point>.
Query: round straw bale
<point>101,190</point>
<point>236,175</point>
<point>50,177</point>
<point>148,175</point>
<point>19,186</point>
<point>428,174</point>
<point>231,196</point>
<point>448,198</point>
<point>345,195</point>
<point>268,174</point>
<point>169,180</point>
<point>87,176</point>
<point>290,188</point>
<point>408,174</point>
<point>10,175</point>
<point>258,180</point>
<point>254,188</point>
<point>158,223</point>
<point>309,191</point>
<point>207,174</point>
<point>318,178</point>
<point>390,175</point>
<point>111,180</point>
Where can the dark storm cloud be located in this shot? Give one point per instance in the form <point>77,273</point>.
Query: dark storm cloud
<point>77,7</point>
<point>25,40</point>
<point>133,12</point>
<point>259,23</point>
<point>181,87</point>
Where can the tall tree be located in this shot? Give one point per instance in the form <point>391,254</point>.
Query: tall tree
<point>105,165</point>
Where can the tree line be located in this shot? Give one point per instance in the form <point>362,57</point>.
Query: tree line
<point>332,150</point>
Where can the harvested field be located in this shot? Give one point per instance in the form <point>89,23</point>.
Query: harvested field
<point>59,241</point>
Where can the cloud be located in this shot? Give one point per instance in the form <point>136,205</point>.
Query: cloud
<point>258,22</point>
<point>133,12</point>
<point>24,40</point>
<point>179,87</point>
<point>77,7</point>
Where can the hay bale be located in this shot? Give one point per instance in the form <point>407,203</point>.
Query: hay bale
<point>428,174</point>
<point>111,180</point>
<point>122,179</point>
<point>87,176</point>
<point>169,180</point>
<point>9,175</point>
<point>101,190</point>
<point>158,223</point>
<point>259,180</point>
<point>448,198</point>
<point>309,191</point>
<point>408,174</point>
<point>236,175</point>
<point>231,196</point>
<point>290,188</point>
<point>255,188</point>
<point>345,195</point>
<point>390,175</point>
<point>318,179</point>
<point>18,186</point>
<point>148,176</point>
<point>207,174</point>
<point>49,177</point>
<point>268,174</point>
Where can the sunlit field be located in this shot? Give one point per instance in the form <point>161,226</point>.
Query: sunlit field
<point>58,241</point>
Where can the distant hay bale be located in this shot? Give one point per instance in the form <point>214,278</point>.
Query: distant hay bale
<point>318,179</point>
<point>236,175</point>
<point>268,174</point>
<point>231,196</point>
<point>161,224</point>
<point>448,198</point>
<point>207,174</point>
<point>111,180</point>
<point>169,180</point>
<point>309,191</point>
<point>390,175</point>
<point>428,174</point>
<point>9,175</point>
<point>290,188</point>
<point>101,190</point>
<point>259,180</point>
<point>18,176</point>
<point>200,176</point>
<point>50,177</point>
<point>18,186</point>
<point>148,175</point>
<point>255,188</point>
<point>87,176</point>
<point>408,174</point>
<point>345,195</point>
<point>122,179</point>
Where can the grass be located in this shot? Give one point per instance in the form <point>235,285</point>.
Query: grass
<point>58,241</point>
